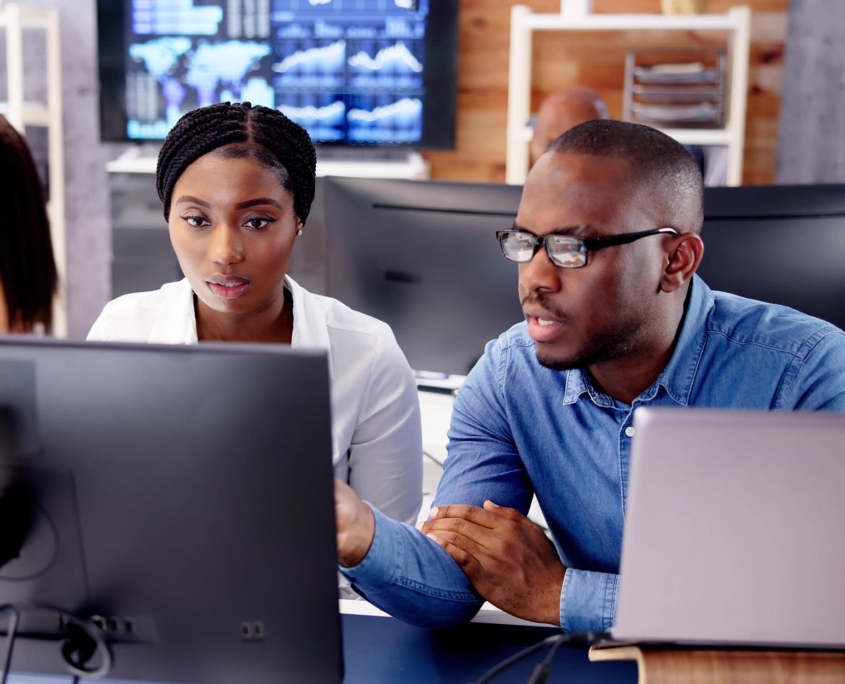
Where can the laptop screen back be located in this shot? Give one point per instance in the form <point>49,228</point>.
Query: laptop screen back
<point>734,529</point>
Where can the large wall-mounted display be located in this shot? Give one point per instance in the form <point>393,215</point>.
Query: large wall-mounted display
<point>354,72</point>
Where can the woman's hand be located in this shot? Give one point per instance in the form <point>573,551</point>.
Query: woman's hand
<point>356,525</point>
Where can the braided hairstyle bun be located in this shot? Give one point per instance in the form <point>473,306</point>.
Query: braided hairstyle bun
<point>242,130</point>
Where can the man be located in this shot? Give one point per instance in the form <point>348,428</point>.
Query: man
<point>570,107</point>
<point>607,236</point>
<point>561,111</point>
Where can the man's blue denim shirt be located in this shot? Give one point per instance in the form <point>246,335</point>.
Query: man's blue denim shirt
<point>520,429</point>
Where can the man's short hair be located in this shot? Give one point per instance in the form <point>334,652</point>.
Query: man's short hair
<point>658,161</point>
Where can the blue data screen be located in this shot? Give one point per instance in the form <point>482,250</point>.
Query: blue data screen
<point>349,71</point>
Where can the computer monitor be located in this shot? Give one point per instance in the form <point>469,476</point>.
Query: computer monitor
<point>352,72</point>
<point>778,243</point>
<point>184,495</point>
<point>423,257</point>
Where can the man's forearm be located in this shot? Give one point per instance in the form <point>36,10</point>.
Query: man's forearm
<point>412,578</point>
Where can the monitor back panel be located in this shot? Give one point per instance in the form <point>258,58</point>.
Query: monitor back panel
<point>733,530</point>
<point>781,244</point>
<point>423,258</point>
<point>188,491</point>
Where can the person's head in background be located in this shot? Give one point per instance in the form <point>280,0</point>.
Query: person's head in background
<point>561,111</point>
<point>237,183</point>
<point>28,276</point>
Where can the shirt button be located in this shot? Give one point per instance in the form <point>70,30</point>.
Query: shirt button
<point>629,431</point>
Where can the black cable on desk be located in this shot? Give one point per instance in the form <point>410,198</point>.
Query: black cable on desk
<point>10,643</point>
<point>75,651</point>
<point>541,672</point>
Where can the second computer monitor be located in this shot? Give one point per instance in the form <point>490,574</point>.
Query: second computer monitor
<point>778,243</point>
<point>423,257</point>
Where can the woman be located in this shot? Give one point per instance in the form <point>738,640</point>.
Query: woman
<point>237,183</point>
<point>28,277</point>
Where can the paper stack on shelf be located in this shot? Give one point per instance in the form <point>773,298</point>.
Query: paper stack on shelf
<point>676,88</point>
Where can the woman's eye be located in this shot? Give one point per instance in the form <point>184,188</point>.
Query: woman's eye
<point>258,223</point>
<point>195,221</point>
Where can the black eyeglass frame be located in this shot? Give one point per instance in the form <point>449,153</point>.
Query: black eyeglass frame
<point>588,244</point>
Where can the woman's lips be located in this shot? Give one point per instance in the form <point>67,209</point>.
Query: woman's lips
<point>229,287</point>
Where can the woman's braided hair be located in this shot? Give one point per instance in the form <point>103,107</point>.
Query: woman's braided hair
<point>242,129</point>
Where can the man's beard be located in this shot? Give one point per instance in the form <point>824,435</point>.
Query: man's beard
<point>605,346</point>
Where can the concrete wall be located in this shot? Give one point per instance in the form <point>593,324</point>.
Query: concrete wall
<point>812,123</point>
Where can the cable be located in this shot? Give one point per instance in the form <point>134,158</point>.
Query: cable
<point>75,652</point>
<point>10,643</point>
<point>541,672</point>
<point>516,657</point>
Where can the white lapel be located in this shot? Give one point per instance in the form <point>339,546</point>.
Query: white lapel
<point>309,321</point>
<point>176,322</point>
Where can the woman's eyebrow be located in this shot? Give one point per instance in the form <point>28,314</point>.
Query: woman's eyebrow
<point>241,205</point>
<point>193,200</point>
<point>258,201</point>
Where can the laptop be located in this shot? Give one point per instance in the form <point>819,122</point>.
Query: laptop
<point>735,530</point>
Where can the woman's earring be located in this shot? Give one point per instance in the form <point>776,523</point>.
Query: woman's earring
<point>299,232</point>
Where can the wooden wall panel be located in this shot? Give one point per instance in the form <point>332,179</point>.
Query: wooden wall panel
<point>594,60</point>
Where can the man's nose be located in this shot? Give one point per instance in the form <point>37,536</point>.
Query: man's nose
<point>539,274</point>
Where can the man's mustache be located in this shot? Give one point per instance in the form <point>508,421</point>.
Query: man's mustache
<point>544,303</point>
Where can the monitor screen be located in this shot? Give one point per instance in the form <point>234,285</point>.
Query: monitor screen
<point>422,256</point>
<point>161,502</point>
<point>352,72</point>
<point>779,243</point>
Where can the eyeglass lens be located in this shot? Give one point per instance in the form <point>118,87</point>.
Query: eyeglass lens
<point>562,249</point>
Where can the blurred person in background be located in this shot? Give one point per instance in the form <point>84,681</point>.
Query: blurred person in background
<point>28,276</point>
<point>561,111</point>
<point>570,107</point>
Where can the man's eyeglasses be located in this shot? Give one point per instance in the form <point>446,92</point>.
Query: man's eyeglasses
<point>566,251</point>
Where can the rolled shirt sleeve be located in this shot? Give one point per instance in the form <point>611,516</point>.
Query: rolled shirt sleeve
<point>588,600</point>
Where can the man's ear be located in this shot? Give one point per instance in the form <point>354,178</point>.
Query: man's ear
<point>682,262</point>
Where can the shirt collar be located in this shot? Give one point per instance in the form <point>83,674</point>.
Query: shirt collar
<point>577,384</point>
<point>678,376</point>
<point>679,373</point>
<point>177,322</point>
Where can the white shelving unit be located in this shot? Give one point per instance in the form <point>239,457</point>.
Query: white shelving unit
<point>736,22</point>
<point>20,113</point>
